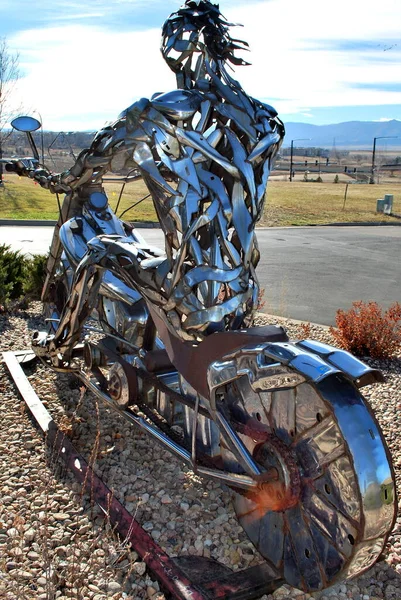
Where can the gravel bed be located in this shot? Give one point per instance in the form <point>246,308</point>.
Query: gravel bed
<point>54,544</point>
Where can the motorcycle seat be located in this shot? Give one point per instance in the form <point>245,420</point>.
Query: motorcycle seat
<point>213,348</point>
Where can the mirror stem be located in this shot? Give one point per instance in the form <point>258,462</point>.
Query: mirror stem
<point>33,145</point>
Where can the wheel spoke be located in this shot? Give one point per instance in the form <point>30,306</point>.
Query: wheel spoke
<point>251,524</point>
<point>365,556</point>
<point>318,446</point>
<point>256,406</point>
<point>330,559</point>
<point>271,540</point>
<point>333,524</point>
<point>310,408</point>
<point>282,415</point>
<point>306,557</point>
<point>244,506</point>
<point>338,484</point>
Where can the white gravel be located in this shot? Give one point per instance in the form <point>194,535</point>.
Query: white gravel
<point>53,544</point>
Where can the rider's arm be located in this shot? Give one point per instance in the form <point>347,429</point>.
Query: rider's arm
<point>93,162</point>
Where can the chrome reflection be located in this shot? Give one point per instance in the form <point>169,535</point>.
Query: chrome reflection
<point>368,454</point>
<point>289,410</point>
<point>346,504</point>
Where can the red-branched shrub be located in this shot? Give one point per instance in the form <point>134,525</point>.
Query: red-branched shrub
<point>305,329</point>
<point>261,299</point>
<point>364,329</point>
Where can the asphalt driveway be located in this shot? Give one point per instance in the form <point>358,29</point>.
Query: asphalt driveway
<point>307,272</point>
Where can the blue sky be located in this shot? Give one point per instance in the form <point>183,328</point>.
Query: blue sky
<point>316,62</point>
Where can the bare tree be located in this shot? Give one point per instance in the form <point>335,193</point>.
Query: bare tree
<point>9,75</point>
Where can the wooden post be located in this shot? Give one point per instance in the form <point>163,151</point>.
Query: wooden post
<point>345,195</point>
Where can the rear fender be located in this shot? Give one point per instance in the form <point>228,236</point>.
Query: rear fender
<point>354,369</point>
<point>283,365</point>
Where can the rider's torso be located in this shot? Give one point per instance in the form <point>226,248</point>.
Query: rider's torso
<point>205,156</point>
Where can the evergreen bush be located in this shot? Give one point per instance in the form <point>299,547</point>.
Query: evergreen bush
<point>36,270</point>
<point>20,276</point>
<point>12,274</point>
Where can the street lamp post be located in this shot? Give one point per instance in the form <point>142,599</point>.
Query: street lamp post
<point>292,151</point>
<point>380,137</point>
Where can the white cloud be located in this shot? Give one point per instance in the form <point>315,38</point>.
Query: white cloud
<point>82,77</point>
<point>292,58</point>
<point>73,17</point>
<point>78,76</point>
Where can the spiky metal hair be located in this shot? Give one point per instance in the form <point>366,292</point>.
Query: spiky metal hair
<point>198,26</point>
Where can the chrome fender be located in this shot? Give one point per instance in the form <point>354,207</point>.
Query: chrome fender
<point>280,365</point>
<point>305,395</point>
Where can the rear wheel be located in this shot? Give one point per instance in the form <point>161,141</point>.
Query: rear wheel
<point>328,502</point>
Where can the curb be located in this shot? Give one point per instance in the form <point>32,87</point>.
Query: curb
<point>362,224</point>
<point>156,225</point>
<point>47,223</point>
<point>295,321</point>
<point>26,222</point>
<point>353,224</point>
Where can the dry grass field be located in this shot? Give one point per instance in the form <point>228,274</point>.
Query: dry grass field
<point>22,198</point>
<point>296,203</point>
<point>301,203</point>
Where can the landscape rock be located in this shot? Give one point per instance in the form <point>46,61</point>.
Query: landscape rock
<point>46,539</point>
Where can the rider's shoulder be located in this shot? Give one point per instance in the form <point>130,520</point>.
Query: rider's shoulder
<point>131,116</point>
<point>177,104</point>
<point>135,110</point>
<point>267,108</point>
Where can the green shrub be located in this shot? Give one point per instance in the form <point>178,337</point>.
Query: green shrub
<point>12,274</point>
<point>365,331</point>
<point>5,287</point>
<point>336,179</point>
<point>20,276</point>
<point>36,268</point>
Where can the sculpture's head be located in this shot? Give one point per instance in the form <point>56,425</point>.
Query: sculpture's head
<point>196,33</point>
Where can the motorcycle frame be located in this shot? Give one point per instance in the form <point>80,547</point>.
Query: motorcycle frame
<point>79,206</point>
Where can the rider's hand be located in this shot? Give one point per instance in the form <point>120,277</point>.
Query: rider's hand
<point>22,166</point>
<point>25,167</point>
<point>41,176</point>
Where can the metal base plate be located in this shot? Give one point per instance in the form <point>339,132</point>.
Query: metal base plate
<point>218,581</point>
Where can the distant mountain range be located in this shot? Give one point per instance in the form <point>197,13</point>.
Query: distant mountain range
<point>351,134</point>
<point>355,134</point>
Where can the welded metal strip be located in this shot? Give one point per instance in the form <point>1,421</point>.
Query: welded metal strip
<point>171,577</point>
<point>23,384</point>
<point>246,584</point>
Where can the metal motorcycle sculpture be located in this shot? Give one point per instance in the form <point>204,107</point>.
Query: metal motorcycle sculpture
<point>281,422</point>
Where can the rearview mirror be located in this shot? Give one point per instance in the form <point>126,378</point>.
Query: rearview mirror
<point>25,124</point>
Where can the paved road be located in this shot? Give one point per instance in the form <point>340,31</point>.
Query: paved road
<point>307,272</point>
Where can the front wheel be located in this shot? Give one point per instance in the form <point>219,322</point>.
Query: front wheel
<point>57,293</point>
<point>333,504</point>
